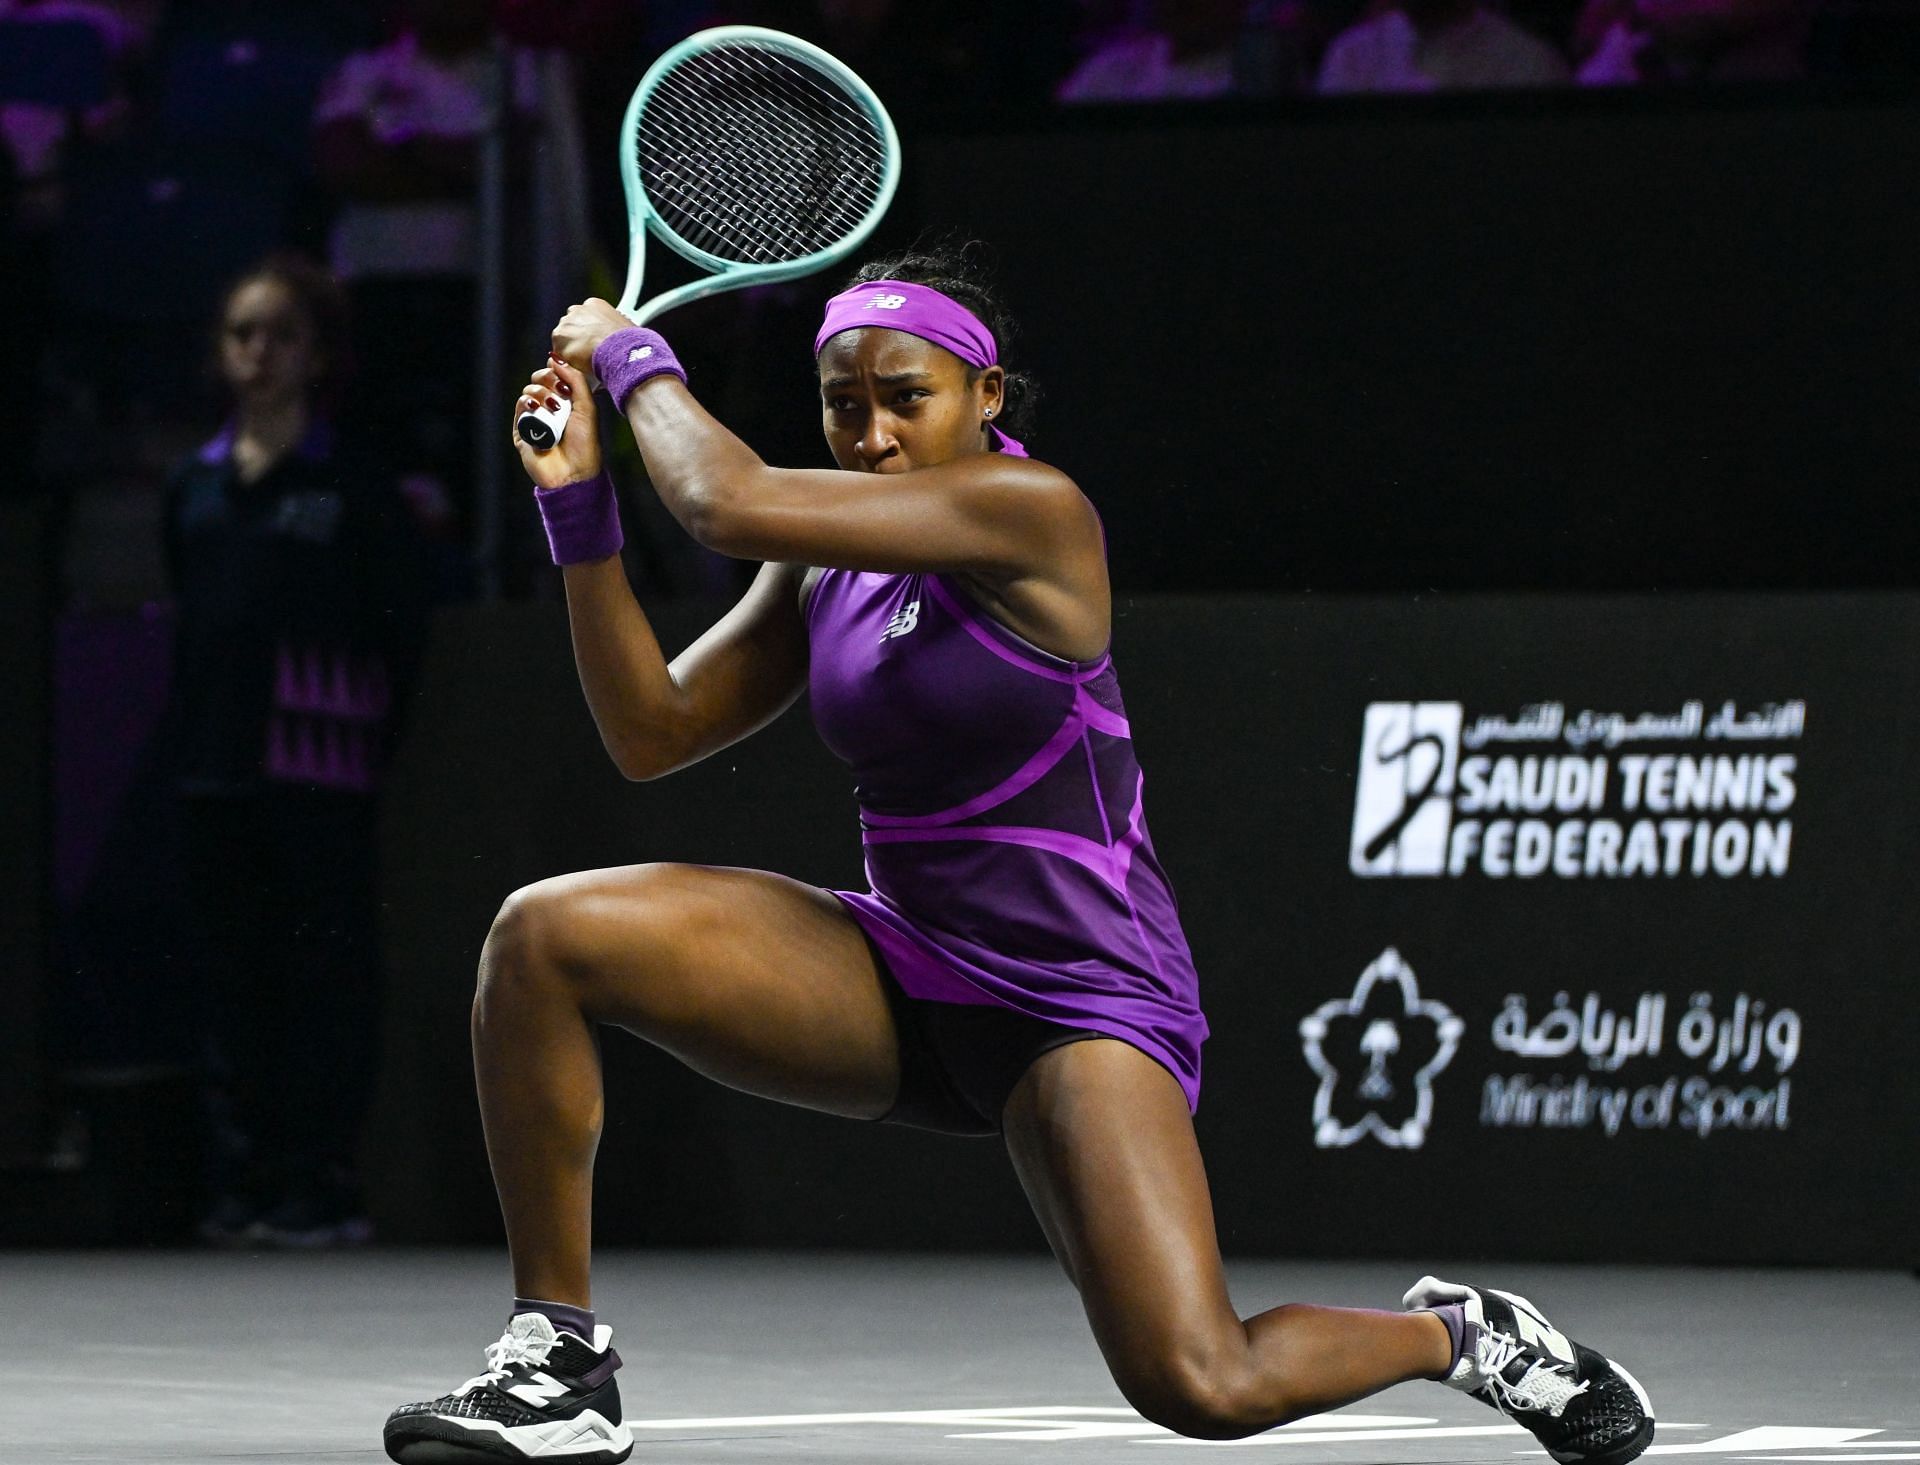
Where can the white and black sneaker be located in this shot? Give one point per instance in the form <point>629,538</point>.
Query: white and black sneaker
<point>545,1395</point>
<point>1585,1408</point>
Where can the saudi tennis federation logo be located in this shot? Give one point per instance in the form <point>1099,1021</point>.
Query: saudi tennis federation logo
<point>1403,799</point>
<point>1376,1053</point>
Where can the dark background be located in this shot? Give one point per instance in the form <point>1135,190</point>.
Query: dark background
<point>1600,342</point>
<point>1333,373</point>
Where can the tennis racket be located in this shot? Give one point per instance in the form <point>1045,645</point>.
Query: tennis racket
<point>755,155</point>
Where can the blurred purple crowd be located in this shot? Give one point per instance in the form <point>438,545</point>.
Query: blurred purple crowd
<point>156,149</point>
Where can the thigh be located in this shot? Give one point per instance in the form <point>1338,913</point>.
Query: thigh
<point>1100,1136</point>
<point>761,982</point>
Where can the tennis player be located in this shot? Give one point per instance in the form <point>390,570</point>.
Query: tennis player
<point>1017,966</point>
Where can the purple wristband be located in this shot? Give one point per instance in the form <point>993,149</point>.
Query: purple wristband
<point>582,519</point>
<point>629,357</point>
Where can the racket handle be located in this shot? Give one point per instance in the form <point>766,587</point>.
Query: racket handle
<point>541,429</point>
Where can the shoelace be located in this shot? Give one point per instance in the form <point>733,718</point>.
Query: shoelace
<point>1546,1387</point>
<point>511,1349</point>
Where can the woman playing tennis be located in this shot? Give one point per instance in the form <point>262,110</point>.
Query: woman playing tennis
<point>1017,966</point>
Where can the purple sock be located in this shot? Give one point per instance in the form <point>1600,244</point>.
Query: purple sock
<point>1454,1315</point>
<point>565,1317</point>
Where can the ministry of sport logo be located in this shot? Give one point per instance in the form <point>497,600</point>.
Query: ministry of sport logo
<point>1376,1053</point>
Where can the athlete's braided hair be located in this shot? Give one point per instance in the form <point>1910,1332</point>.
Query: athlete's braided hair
<point>960,270</point>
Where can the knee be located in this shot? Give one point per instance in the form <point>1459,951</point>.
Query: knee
<point>538,940</point>
<point>1205,1394</point>
<point>554,936</point>
<point>526,937</point>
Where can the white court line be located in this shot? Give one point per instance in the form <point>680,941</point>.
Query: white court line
<point>1041,1415</point>
<point>1828,1457</point>
<point>1039,1412</point>
<point>1767,1437</point>
<point>1337,1436</point>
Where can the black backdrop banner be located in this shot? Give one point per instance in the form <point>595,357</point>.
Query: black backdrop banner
<point>1564,928</point>
<point>1603,339</point>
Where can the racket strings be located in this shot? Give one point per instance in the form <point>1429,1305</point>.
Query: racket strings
<point>752,156</point>
<point>780,114</point>
<point>762,174</point>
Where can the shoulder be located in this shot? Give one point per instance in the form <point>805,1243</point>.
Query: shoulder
<point>199,474</point>
<point>1046,488</point>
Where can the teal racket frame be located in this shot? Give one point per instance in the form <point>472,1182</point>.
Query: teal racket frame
<point>733,274</point>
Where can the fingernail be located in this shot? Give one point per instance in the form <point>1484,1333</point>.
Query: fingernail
<point>565,390</point>
<point>553,404</point>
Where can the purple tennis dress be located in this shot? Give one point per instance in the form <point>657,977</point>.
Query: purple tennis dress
<point>1000,807</point>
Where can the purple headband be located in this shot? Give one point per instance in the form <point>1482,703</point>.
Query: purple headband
<point>921,311</point>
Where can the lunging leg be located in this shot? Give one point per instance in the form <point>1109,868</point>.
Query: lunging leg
<point>1100,1136</point>
<point>755,980</point>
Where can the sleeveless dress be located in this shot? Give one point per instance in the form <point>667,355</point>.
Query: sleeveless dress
<point>1000,809</point>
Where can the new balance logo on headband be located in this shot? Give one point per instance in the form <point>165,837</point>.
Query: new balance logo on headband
<point>886,302</point>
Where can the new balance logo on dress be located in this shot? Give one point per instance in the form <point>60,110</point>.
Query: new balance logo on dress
<point>904,620</point>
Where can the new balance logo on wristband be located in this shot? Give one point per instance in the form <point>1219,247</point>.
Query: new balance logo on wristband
<point>639,353</point>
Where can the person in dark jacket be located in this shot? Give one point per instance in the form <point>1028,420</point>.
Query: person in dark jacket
<point>300,600</point>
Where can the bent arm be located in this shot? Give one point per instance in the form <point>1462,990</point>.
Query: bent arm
<point>655,717</point>
<point>986,512</point>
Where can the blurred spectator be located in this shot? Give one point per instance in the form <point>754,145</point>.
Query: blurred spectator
<point>1185,50</point>
<point>1627,42</point>
<point>1438,45</point>
<point>397,134</point>
<point>38,134</point>
<point>299,620</point>
<point>41,126</point>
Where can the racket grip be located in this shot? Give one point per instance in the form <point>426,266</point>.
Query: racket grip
<point>541,429</point>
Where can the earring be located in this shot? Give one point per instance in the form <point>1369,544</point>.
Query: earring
<point>989,411</point>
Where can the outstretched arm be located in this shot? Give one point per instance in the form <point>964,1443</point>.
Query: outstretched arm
<point>655,717</point>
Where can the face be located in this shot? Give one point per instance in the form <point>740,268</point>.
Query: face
<point>891,402</point>
<point>267,347</point>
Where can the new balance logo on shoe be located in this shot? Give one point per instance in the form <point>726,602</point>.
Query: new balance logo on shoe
<point>540,1390</point>
<point>1535,1330</point>
<point>904,620</point>
<point>544,1396</point>
<point>1581,1405</point>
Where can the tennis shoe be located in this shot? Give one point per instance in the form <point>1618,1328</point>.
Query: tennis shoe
<point>1583,1407</point>
<point>545,1395</point>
